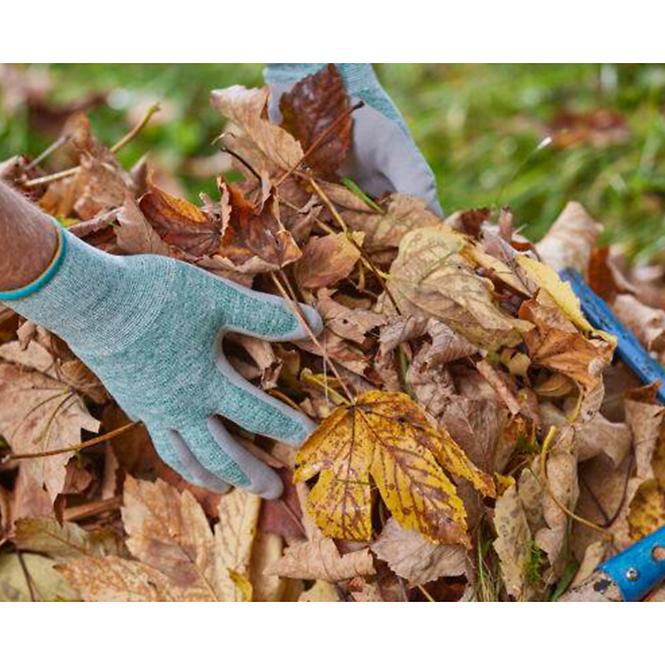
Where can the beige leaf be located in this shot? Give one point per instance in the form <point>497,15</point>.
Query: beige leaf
<point>319,559</point>
<point>169,532</point>
<point>513,543</point>
<point>403,213</point>
<point>648,323</point>
<point>563,484</point>
<point>431,278</point>
<point>39,413</point>
<point>112,579</point>
<point>134,233</point>
<point>32,577</point>
<point>569,241</point>
<point>234,535</point>
<point>267,550</point>
<point>415,559</point>
<point>64,541</point>
<point>272,146</point>
<point>348,323</point>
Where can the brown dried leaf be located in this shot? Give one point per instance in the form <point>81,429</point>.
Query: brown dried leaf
<point>180,223</point>
<point>570,240</point>
<point>513,543</point>
<point>415,559</point>
<point>39,413</point>
<point>326,260</point>
<point>135,235</point>
<point>402,214</point>
<point>431,278</point>
<point>310,108</point>
<point>319,559</point>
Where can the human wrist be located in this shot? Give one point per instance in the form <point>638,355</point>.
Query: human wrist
<point>97,302</point>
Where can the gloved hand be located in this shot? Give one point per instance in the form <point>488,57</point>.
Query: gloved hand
<point>150,327</point>
<point>384,156</point>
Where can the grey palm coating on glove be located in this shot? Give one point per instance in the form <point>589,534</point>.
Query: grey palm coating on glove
<point>384,157</point>
<point>150,327</point>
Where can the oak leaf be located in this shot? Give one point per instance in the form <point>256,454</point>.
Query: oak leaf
<point>386,437</point>
<point>319,559</point>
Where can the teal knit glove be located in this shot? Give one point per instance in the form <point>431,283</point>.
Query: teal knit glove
<point>384,156</point>
<point>150,327</point>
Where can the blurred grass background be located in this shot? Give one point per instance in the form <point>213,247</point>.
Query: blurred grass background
<point>478,126</point>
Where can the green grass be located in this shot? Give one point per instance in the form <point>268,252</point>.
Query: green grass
<point>478,126</point>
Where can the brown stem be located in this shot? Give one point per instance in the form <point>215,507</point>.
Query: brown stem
<point>91,442</point>
<point>320,139</point>
<point>61,175</point>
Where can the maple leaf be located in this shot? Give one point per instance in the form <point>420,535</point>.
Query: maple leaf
<point>310,110</point>
<point>179,222</point>
<point>386,436</point>
<point>179,557</point>
<point>430,277</point>
<point>327,260</point>
<point>40,412</point>
<point>269,148</point>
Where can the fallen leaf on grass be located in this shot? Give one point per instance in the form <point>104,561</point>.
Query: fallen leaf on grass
<point>386,436</point>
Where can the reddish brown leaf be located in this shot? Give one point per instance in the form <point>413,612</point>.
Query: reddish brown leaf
<point>310,109</point>
<point>181,223</point>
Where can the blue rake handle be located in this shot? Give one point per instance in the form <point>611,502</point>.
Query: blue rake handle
<point>641,567</point>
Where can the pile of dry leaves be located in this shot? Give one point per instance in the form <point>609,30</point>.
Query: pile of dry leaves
<point>476,439</point>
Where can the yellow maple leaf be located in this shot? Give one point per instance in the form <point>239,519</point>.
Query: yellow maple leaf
<point>386,437</point>
<point>562,293</point>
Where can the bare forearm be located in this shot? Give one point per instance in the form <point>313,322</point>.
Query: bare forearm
<point>28,240</point>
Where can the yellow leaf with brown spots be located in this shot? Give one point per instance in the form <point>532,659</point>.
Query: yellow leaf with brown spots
<point>385,440</point>
<point>647,510</point>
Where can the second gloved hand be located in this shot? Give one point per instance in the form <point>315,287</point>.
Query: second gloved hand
<point>384,157</point>
<point>150,327</point>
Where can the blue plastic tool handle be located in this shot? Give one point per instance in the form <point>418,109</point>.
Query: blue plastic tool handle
<point>640,568</point>
<point>629,348</point>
